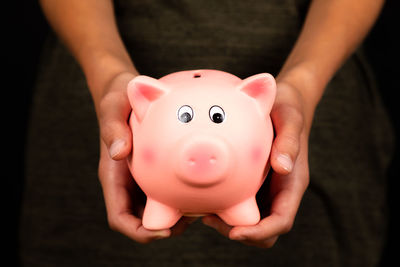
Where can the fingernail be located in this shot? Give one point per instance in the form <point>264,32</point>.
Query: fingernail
<point>238,237</point>
<point>162,234</point>
<point>235,235</point>
<point>116,147</point>
<point>285,161</point>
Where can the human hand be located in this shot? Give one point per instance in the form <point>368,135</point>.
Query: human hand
<point>125,202</point>
<point>290,177</point>
<point>123,198</point>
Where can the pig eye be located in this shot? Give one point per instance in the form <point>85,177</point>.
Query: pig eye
<point>185,114</point>
<point>217,114</point>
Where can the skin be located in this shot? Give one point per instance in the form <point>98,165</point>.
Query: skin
<point>332,31</point>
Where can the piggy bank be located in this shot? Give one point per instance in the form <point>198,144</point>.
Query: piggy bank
<point>201,143</point>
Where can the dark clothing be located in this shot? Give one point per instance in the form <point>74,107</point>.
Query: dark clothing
<point>342,218</point>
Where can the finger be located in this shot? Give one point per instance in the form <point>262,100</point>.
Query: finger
<point>224,229</point>
<point>288,124</point>
<point>286,192</point>
<point>218,224</point>
<point>268,243</point>
<point>132,227</point>
<point>113,113</point>
<point>120,214</point>
<point>114,129</point>
<point>268,228</point>
<point>118,186</point>
<point>182,225</point>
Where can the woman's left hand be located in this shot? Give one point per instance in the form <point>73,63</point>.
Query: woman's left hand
<point>290,177</point>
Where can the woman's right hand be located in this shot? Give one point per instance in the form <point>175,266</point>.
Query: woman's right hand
<point>89,31</point>
<point>119,189</point>
<point>113,111</point>
<point>123,198</point>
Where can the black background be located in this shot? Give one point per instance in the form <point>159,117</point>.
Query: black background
<point>23,30</point>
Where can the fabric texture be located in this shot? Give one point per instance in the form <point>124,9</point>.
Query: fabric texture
<point>342,217</point>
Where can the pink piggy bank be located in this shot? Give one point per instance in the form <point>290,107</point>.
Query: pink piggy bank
<point>201,143</point>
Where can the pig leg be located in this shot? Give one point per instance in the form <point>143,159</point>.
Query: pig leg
<point>244,213</point>
<point>157,216</point>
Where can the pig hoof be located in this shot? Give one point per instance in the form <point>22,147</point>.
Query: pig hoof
<point>158,216</point>
<point>242,214</point>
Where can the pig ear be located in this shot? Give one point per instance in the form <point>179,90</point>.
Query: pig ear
<point>262,88</point>
<point>142,91</point>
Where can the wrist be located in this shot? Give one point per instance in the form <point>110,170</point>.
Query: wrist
<point>102,68</point>
<point>305,79</point>
<point>309,87</point>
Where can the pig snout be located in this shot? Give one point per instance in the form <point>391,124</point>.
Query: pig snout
<point>203,162</point>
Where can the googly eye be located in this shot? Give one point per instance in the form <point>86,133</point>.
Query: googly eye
<point>185,114</point>
<point>217,114</point>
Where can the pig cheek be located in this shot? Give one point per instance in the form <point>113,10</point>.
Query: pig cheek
<point>148,156</point>
<point>256,154</point>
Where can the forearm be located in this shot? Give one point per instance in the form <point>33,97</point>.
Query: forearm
<point>89,30</point>
<point>332,31</point>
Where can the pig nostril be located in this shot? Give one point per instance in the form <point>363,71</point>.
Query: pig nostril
<point>192,161</point>
<point>213,160</point>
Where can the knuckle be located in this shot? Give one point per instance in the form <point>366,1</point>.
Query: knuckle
<point>290,112</point>
<point>268,244</point>
<point>107,129</point>
<point>110,101</point>
<point>105,102</point>
<point>288,144</point>
<point>290,140</point>
<point>113,223</point>
<point>296,116</point>
<point>287,225</point>
<point>111,123</point>
<point>110,98</point>
<point>143,240</point>
<point>111,130</point>
<point>306,180</point>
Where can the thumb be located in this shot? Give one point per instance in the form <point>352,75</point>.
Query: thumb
<point>114,129</point>
<point>288,123</point>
